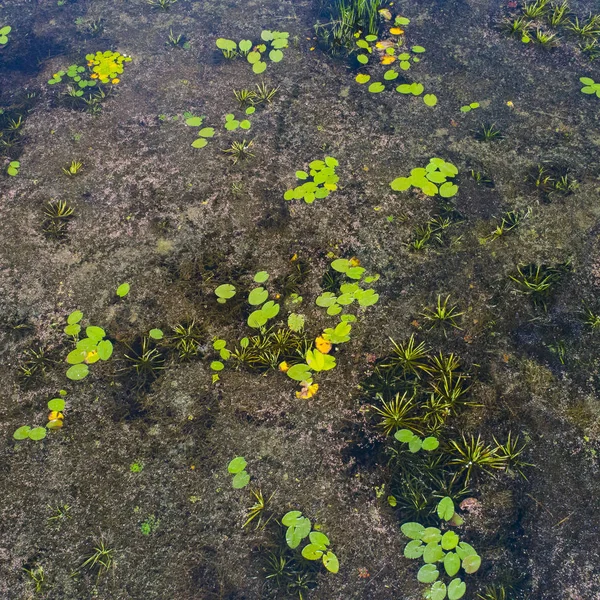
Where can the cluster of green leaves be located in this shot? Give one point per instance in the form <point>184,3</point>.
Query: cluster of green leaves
<point>299,528</point>
<point>56,406</point>
<point>274,42</point>
<point>88,350</point>
<point>415,443</point>
<point>204,134</point>
<point>349,292</point>
<point>315,361</point>
<point>13,168</point>
<point>324,181</point>
<point>237,468</point>
<point>4,31</point>
<point>231,123</point>
<point>436,173</point>
<point>102,67</point>
<point>433,547</point>
<point>416,89</point>
<point>216,365</point>
<point>589,86</point>
<point>469,107</point>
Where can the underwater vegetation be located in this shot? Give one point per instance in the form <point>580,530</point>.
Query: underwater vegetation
<point>324,181</point>
<point>431,179</point>
<point>274,43</point>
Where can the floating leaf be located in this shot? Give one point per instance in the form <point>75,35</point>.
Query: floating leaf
<point>123,290</point>
<point>199,143</point>
<point>445,508</point>
<point>22,433</point>
<point>261,277</point>
<point>217,365</point>
<point>418,49</point>
<point>331,563</point>
<point>390,75</point>
<point>400,184</point>
<point>362,78</point>
<point>225,291</point>
<point>56,404</point>
<point>448,189</point>
<point>37,433</point>
<point>414,549</point>
<point>74,317</point>
<point>259,67</point>
<point>376,87</point>
<point>450,540</point>
<point>471,563</point>
<point>241,480</point>
<point>299,372</point>
<point>430,99</point>
<point>276,55</point>
<point>362,58</point>
<point>428,574</point>
<point>451,564</point>
<point>237,465</point>
<point>105,349</point>
<point>456,589</point>
<point>194,121</point>
<point>207,132</point>
<point>413,530</point>
<point>156,334</point>
<point>257,296</point>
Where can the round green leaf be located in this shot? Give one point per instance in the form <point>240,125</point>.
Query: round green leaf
<point>450,540</point>
<point>430,99</point>
<point>404,435</point>
<point>430,443</point>
<point>412,530</point>
<point>291,517</point>
<point>451,564</point>
<point>456,589</point>
<point>257,319</point>
<point>74,317</point>
<point>376,87</point>
<point>95,333</point>
<point>76,356</point>
<point>299,372</point>
<point>448,189</point>
<point>217,365</point>
<point>418,49</point>
<point>78,372</point>
<point>276,55</point>
<point>400,184</point>
<point>437,591</point>
<point>362,78</point>
<point>105,349</point>
<point>245,124</point>
<point>431,534</point>
<point>225,291</point>
<point>312,552</point>
<point>257,296</point>
<point>241,480</point>
<point>22,433</point>
<point>331,563</point>
<point>199,143</point>
<point>259,67</point>
<point>37,433</point>
<point>72,329</point>
<point>471,563</point>
<point>433,553</point>
<point>414,549</point>
<point>390,75</point>
<point>156,334</point>
<point>363,59</point>
<point>428,574</point>
<point>237,465</point>
<point>445,508</point>
<point>57,404</point>
<point>253,57</point>
<point>123,290</point>
<point>316,537</point>
<point>207,132</point>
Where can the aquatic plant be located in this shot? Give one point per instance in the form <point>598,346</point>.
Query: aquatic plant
<point>510,220</point>
<point>546,40</point>
<point>442,314</point>
<point>102,67</point>
<point>186,339</point>
<point>57,216</point>
<point>474,455</point>
<point>469,107</point>
<point>415,443</point>
<point>275,43</point>
<point>4,31</point>
<point>515,26</point>
<point>264,93</point>
<point>257,510</point>
<point>324,181</point>
<point>123,290</point>
<point>74,168</point>
<point>538,281</point>
<point>144,360</point>
<point>482,178</point>
<point>240,151</point>
<point>590,86</point>
<point>27,433</point>
<point>559,14</point>
<point>224,292</point>
<point>237,468</point>
<point>591,319</point>
<point>36,362</point>
<point>533,10</point>
<point>298,528</point>
<point>591,49</point>
<point>511,453</point>
<point>231,123</point>
<point>88,350</point>
<point>101,559</point>
<point>177,41</point>
<point>397,413</point>
<point>436,173</point>
<point>433,546</point>
<point>488,133</point>
<point>245,97</point>
<point>37,577</point>
<point>586,29</point>
<point>13,168</point>
<point>161,4</point>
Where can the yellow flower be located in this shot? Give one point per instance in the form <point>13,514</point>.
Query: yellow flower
<point>387,59</point>
<point>284,367</point>
<point>354,262</point>
<point>323,345</point>
<point>54,414</point>
<point>115,81</point>
<point>510,103</point>
<point>307,391</point>
<point>396,31</point>
<point>94,75</point>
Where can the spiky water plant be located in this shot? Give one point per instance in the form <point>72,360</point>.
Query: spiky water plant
<point>515,26</point>
<point>265,94</point>
<point>245,97</point>
<point>257,510</point>
<point>397,413</point>
<point>493,592</point>
<point>586,29</point>
<point>546,40</point>
<point>534,10</point>
<point>240,151</point>
<point>510,220</point>
<point>559,14</point>
<point>445,364</point>
<point>74,168</point>
<point>591,49</point>
<point>145,361</point>
<point>36,362</point>
<point>101,559</point>
<point>186,338</point>
<point>442,315</point>
<point>591,319</point>
<point>475,456</point>
<point>409,357</point>
<point>452,388</point>
<point>538,281</point>
<point>161,4</point>
<point>511,452</point>
<point>488,133</point>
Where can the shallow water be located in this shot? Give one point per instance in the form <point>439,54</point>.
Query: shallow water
<point>140,465</point>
